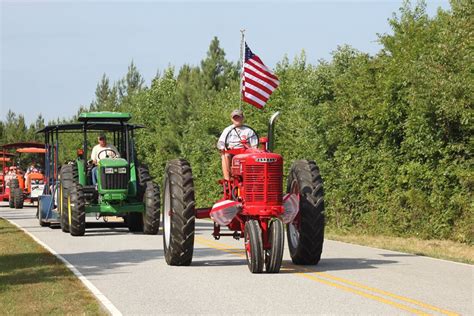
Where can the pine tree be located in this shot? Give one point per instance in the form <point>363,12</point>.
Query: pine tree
<point>217,72</point>
<point>102,94</point>
<point>132,82</point>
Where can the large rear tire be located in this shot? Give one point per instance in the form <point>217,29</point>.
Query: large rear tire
<point>66,177</point>
<point>18,198</point>
<point>306,232</point>
<point>149,193</point>
<point>254,246</point>
<point>151,218</point>
<point>63,208</point>
<point>135,222</point>
<point>11,197</point>
<point>178,213</point>
<point>76,210</point>
<point>274,255</point>
<point>11,200</point>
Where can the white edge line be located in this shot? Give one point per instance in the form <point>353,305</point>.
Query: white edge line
<point>106,303</point>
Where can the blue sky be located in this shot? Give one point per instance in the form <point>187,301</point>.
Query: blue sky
<point>53,53</point>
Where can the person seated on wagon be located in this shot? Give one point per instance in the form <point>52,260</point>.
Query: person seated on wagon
<point>234,133</point>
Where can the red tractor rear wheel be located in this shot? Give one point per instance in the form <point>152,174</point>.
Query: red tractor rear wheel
<point>274,255</point>
<point>254,246</point>
<point>306,232</point>
<point>178,213</point>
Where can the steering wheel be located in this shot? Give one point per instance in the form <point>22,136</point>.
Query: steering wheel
<point>106,151</point>
<point>227,143</point>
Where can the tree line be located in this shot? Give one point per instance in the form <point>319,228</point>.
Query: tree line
<point>392,132</point>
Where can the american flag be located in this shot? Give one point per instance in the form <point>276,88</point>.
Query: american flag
<point>258,82</point>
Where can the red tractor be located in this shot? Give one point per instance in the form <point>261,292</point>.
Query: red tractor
<point>253,207</point>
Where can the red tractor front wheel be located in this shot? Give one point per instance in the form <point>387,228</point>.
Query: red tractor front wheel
<point>254,246</point>
<point>274,255</point>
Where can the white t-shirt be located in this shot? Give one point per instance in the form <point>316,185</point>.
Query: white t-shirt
<point>233,141</point>
<point>112,152</point>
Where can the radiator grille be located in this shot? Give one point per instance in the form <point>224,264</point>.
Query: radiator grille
<point>114,181</point>
<point>263,182</point>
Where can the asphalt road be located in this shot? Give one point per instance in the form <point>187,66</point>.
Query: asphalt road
<point>129,269</point>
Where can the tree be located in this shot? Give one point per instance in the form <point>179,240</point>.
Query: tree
<point>217,72</point>
<point>133,82</point>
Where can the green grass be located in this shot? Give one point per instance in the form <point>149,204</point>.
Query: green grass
<point>34,282</point>
<point>441,249</point>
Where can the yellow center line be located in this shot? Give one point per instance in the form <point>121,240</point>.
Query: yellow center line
<point>239,252</point>
<point>221,247</point>
<point>402,298</point>
<point>364,294</point>
<point>314,276</point>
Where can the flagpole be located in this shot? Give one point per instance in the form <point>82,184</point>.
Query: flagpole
<point>242,60</point>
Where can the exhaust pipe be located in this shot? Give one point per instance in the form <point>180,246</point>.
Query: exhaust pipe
<point>271,131</point>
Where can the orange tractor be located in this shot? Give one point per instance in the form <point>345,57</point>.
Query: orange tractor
<point>19,186</point>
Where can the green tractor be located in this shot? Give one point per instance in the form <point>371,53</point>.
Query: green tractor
<point>123,188</point>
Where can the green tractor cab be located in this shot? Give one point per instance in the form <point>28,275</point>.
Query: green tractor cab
<point>124,187</point>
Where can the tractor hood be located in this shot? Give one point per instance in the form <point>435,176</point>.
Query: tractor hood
<point>257,156</point>
<point>113,162</point>
<point>113,178</point>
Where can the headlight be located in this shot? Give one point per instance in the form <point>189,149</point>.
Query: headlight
<point>109,170</point>
<point>122,170</point>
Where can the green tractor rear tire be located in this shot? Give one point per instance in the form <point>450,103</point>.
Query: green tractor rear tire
<point>151,217</point>
<point>148,192</point>
<point>135,222</point>
<point>63,210</point>
<point>69,179</point>
<point>66,180</point>
<point>76,210</point>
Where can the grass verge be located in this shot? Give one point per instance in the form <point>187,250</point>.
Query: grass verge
<point>442,249</point>
<point>34,282</point>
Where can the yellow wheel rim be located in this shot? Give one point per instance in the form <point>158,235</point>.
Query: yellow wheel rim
<point>60,202</point>
<point>69,209</point>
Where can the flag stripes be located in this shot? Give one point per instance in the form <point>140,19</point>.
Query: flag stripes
<point>258,82</point>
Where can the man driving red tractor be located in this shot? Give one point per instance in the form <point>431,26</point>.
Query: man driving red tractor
<point>233,134</point>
